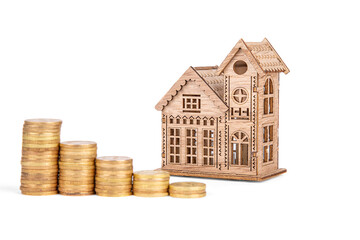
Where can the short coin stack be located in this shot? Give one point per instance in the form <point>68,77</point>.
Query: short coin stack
<point>77,168</point>
<point>151,183</point>
<point>40,153</point>
<point>113,176</point>
<point>187,190</point>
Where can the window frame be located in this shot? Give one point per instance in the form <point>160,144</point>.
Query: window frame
<point>207,147</point>
<point>176,138</point>
<point>268,103</point>
<point>268,144</point>
<point>241,139</point>
<point>191,103</point>
<point>192,146</point>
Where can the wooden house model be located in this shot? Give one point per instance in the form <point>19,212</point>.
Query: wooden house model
<point>222,121</point>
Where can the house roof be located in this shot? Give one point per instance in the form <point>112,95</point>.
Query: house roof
<point>191,75</point>
<point>261,54</point>
<point>216,82</point>
<point>211,79</point>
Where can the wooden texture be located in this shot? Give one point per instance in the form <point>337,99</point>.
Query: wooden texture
<point>222,122</point>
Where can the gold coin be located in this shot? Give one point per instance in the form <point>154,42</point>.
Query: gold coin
<point>68,189</point>
<point>39,193</point>
<point>80,175</point>
<point>115,180</point>
<point>84,177</point>
<point>32,185</point>
<point>115,160</point>
<point>43,152</point>
<point>43,121</point>
<point>113,183</point>
<point>51,181</point>
<point>46,161</point>
<point>77,182</point>
<point>78,144</point>
<point>39,150</point>
<point>89,172</point>
<point>42,171</point>
<point>150,188</point>
<point>77,155</point>
<point>102,194</point>
<point>38,164</point>
<point>65,167</point>
<point>77,193</point>
<point>77,160</point>
<point>38,179</point>
<point>154,183</point>
<point>40,142</point>
<point>113,173</point>
<point>42,168</point>
<point>187,186</point>
<point>141,194</point>
<point>30,189</point>
<point>199,195</point>
<point>101,168</point>
<point>113,188</point>
<point>49,145</point>
<point>70,164</point>
<point>41,139</point>
<point>151,174</point>
<point>34,129</point>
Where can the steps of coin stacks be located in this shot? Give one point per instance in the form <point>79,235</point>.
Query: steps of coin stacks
<point>77,168</point>
<point>113,176</point>
<point>40,152</point>
<point>151,183</point>
<point>187,190</point>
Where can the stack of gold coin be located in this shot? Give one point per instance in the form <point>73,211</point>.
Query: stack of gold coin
<point>77,168</point>
<point>40,153</point>
<point>113,176</point>
<point>187,190</point>
<point>151,183</point>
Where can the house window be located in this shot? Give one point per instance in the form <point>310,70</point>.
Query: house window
<point>208,137</point>
<point>174,145</point>
<point>191,103</point>
<point>171,119</point>
<point>240,95</point>
<point>268,97</point>
<point>178,121</point>
<point>239,149</point>
<point>191,146</point>
<point>212,122</point>
<point>268,138</point>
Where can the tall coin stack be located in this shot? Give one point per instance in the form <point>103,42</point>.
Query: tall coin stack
<point>77,168</point>
<point>187,190</point>
<point>40,153</point>
<point>151,183</point>
<point>113,176</point>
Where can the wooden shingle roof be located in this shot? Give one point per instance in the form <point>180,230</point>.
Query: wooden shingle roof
<point>261,54</point>
<point>191,75</point>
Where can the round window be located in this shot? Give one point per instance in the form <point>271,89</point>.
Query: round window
<point>240,67</point>
<point>240,95</point>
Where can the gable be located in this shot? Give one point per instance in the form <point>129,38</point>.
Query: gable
<point>191,76</point>
<point>190,91</point>
<point>262,56</point>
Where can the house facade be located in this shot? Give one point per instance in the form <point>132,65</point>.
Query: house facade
<point>222,121</point>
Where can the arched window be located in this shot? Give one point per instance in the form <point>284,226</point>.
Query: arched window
<point>268,97</point>
<point>239,149</point>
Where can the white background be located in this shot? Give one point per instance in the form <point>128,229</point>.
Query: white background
<point>101,67</point>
